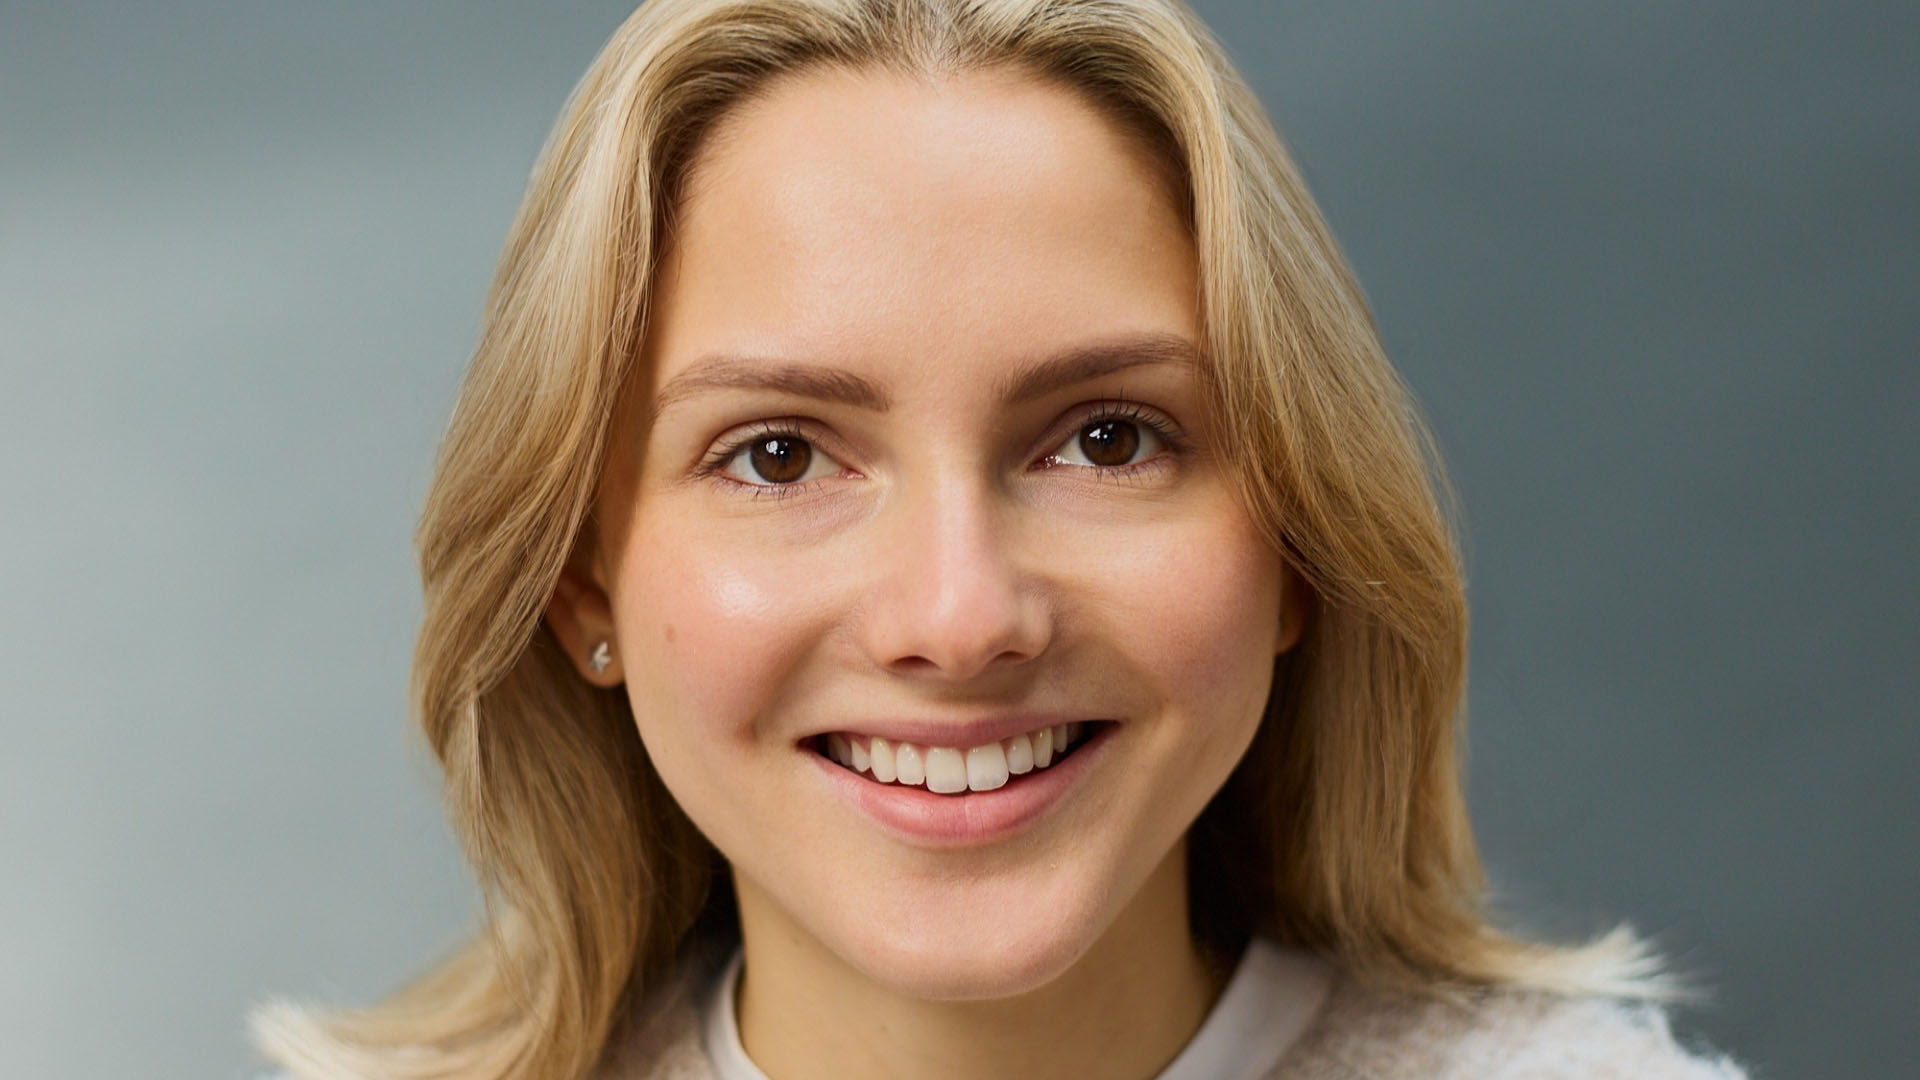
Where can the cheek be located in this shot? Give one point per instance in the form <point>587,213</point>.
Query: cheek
<point>1199,608</point>
<point>706,634</point>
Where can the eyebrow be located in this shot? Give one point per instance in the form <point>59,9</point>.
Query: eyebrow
<point>1077,364</point>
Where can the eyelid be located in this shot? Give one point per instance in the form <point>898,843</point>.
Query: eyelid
<point>713,464</point>
<point>1120,407</point>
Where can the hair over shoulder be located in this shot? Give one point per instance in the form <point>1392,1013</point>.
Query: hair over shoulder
<point>1345,827</point>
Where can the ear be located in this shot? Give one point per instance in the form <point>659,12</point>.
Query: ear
<point>581,617</point>
<point>1296,605</point>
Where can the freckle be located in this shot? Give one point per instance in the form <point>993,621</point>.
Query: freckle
<point>670,633</point>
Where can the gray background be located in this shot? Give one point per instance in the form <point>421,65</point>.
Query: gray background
<point>1650,266</point>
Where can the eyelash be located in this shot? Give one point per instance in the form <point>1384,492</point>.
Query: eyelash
<point>714,466</point>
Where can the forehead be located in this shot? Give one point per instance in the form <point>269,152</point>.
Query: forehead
<point>871,216</point>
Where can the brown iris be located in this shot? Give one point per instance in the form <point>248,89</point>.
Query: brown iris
<point>1109,442</point>
<point>780,458</point>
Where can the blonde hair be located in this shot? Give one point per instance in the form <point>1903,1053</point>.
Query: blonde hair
<point>1344,828</point>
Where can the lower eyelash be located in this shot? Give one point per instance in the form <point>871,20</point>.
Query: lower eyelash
<point>764,491</point>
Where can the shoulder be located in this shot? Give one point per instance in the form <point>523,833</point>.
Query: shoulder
<point>1534,1034</point>
<point>657,1036</point>
<point>1496,1034</point>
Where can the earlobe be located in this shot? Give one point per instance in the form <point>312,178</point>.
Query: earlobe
<point>582,619</point>
<point>1296,601</point>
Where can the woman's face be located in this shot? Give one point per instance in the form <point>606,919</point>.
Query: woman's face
<point>919,451</point>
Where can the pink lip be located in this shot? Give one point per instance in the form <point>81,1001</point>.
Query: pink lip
<point>921,817</point>
<point>962,733</point>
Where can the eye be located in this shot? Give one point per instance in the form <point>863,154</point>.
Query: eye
<point>1115,440</point>
<point>1111,438</point>
<point>777,457</point>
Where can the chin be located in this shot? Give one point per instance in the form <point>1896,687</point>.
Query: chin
<point>969,944</point>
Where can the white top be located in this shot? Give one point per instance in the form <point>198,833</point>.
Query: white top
<point>1267,1003</point>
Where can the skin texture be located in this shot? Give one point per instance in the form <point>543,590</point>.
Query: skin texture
<point>946,558</point>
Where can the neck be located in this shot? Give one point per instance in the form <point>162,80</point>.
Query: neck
<point>1121,1012</point>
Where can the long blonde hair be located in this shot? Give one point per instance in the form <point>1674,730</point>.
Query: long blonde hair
<point>1344,829</point>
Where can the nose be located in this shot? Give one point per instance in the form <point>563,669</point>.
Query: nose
<point>954,598</point>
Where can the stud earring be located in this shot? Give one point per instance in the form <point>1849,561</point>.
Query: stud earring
<point>599,658</point>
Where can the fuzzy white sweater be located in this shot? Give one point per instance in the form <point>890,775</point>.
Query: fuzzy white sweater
<point>1355,1033</point>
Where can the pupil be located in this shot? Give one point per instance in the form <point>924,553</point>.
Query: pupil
<point>1110,442</point>
<point>782,460</point>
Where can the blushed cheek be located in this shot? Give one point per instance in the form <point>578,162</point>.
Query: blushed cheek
<point>715,632</point>
<point>1214,611</point>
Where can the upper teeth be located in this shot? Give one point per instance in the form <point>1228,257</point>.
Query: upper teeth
<point>947,769</point>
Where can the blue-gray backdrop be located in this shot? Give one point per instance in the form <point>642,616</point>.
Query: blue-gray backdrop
<point>1650,266</point>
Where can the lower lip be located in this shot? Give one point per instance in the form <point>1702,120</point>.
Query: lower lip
<point>921,817</point>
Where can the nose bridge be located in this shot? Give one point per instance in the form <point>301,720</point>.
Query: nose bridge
<point>954,596</point>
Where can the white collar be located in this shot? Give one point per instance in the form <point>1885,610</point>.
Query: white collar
<point>1273,994</point>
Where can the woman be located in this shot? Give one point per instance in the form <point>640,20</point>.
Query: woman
<point>930,574</point>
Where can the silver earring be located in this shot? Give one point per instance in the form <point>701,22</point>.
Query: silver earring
<point>599,658</point>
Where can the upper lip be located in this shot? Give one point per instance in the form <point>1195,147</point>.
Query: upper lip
<point>959,733</point>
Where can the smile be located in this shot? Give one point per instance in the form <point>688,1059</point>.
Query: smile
<point>944,797</point>
<point>949,770</point>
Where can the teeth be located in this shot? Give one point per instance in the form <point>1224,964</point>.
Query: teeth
<point>880,752</point>
<point>946,770</point>
<point>986,767</point>
<point>1019,755</point>
<point>908,763</point>
<point>950,770</point>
